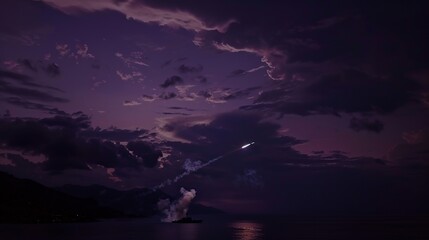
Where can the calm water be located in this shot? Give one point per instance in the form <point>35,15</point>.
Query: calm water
<point>224,228</point>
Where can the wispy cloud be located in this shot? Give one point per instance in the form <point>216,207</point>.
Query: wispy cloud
<point>63,49</point>
<point>188,93</point>
<point>80,51</point>
<point>27,88</point>
<point>170,61</point>
<point>272,57</point>
<point>12,65</point>
<point>241,72</point>
<point>149,98</point>
<point>141,12</point>
<point>20,102</point>
<point>135,58</point>
<point>130,103</point>
<point>135,75</point>
<point>33,66</point>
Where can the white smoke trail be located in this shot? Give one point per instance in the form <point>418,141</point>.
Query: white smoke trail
<point>189,167</point>
<point>178,209</point>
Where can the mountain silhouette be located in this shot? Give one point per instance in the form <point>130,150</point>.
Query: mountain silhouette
<point>26,201</point>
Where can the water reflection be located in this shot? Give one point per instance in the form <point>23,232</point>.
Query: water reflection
<point>177,231</point>
<point>190,231</point>
<point>247,230</point>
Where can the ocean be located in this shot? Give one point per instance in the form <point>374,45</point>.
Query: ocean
<point>226,227</point>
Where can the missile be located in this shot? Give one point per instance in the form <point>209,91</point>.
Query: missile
<point>245,146</point>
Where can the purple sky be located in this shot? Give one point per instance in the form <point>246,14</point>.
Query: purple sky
<point>122,92</point>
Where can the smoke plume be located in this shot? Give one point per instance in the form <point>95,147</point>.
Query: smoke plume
<point>179,208</point>
<point>189,168</point>
<point>192,166</point>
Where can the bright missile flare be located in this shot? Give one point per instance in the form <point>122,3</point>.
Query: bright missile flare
<point>245,146</point>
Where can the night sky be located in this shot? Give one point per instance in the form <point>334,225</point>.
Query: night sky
<point>123,93</point>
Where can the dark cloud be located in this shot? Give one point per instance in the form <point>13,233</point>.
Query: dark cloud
<point>167,96</point>
<point>62,154</point>
<point>32,105</point>
<point>176,113</point>
<point>23,28</point>
<point>15,76</point>
<point>272,151</point>
<point>249,177</point>
<point>21,166</point>
<point>96,66</point>
<point>74,122</point>
<point>6,113</point>
<point>182,108</point>
<point>180,59</point>
<point>349,34</point>
<point>53,70</point>
<point>69,142</point>
<point>202,79</point>
<point>27,89</point>
<point>24,80</point>
<point>166,63</point>
<point>189,69</point>
<point>238,72</point>
<point>28,64</point>
<point>172,81</point>
<point>414,152</point>
<point>348,92</point>
<point>226,94</point>
<point>355,91</point>
<point>170,61</point>
<point>205,94</point>
<point>145,152</point>
<point>220,134</point>
<point>23,135</point>
<point>33,94</point>
<point>241,93</point>
<point>184,111</point>
<point>315,40</point>
<point>365,124</point>
<point>114,134</point>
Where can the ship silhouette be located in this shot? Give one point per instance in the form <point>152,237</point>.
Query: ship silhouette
<point>187,220</point>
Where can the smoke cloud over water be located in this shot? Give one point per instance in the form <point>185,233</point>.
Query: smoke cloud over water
<point>179,208</point>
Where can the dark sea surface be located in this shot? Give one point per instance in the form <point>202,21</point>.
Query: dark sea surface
<point>226,227</point>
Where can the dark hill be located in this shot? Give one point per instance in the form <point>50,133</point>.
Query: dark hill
<point>136,202</point>
<point>25,201</point>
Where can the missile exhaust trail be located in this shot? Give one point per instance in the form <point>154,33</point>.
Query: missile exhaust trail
<point>245,146</point>
<point>187,172</point>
